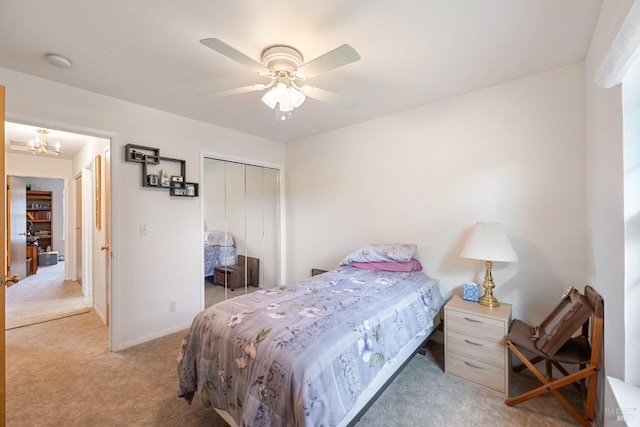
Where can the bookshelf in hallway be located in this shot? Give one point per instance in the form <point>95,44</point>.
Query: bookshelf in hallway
<point>40,217</point>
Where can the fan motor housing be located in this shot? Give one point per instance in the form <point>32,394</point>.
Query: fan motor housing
<point>282,58</point>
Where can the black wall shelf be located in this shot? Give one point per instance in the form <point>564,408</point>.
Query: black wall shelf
<point>142,154</point>
<point>184,189</point>
<point>178,168</point>
<point>161,172</point>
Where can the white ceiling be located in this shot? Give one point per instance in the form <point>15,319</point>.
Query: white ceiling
<point>413,51</point>
<point>18,135</point>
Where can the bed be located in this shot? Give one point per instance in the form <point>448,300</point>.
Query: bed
<point>219,250</point>
<point>308,354</point>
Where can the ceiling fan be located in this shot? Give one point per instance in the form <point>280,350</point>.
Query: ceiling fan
<point>286,68</point>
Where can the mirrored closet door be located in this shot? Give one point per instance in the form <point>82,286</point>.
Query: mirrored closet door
<point>241,223</point>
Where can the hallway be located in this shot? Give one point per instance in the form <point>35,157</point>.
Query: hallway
<point>44,296</point>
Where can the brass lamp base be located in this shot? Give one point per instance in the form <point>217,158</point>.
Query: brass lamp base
<point>488,300</point>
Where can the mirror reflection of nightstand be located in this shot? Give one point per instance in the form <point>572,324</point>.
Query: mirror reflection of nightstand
<point>233,276</point>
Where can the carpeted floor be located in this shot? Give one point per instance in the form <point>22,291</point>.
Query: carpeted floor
<point>60,373</point>
<point>42,297</point>
<point>216,293</point>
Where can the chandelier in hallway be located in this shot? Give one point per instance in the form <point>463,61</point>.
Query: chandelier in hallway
<point>38,145</point>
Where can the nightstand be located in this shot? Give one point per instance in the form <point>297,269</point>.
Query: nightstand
<point>475,343</point>
<point>233,276</point>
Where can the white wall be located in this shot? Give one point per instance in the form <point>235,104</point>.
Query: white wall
<point>613,187</point>
<point>42,167</point>
<point>512,153</point>
<point>631,149</point>
<point>148,271</point>
<point>605,193</point>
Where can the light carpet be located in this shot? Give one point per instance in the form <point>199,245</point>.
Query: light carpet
<point>215,293</point>
<point>42,297</point>
<point>61,373</point>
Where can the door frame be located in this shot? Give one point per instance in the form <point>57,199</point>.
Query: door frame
<point>87,228</point>
<point>3,262</point>
<point>70,199</point>
<point>77,213</point>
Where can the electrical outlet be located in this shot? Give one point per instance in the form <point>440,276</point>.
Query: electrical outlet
<point>144,229</point>
<point>172,306</point>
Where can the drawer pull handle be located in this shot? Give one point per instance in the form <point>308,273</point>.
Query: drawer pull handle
<point>473,343</point>
<point>473,320</point>
<point>473,365</point>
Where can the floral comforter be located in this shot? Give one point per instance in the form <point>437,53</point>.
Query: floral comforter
<point>301,355</point>
<point>215,256</point>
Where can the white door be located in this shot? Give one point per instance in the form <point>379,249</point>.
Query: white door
<point>17,225</point>
<point>79,229</point>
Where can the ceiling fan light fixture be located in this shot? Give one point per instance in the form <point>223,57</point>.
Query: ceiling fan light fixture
<point>286,67</point>
<point>269,99</point>
<point>285,106</point>
<point>282,115</point>
<point>281,91</point>
<point>297,97</point>
<point>285,98</point>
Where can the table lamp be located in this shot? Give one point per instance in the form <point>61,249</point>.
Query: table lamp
<point>489,242</point>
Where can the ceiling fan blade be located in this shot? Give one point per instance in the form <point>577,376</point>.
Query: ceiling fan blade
<point>330,97</point>
<point>331,60</point>
<point>233,53</point>
<point>235,91</point>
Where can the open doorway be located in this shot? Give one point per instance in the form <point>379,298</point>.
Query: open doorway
<point>70,243</point>
<point>43,293</point>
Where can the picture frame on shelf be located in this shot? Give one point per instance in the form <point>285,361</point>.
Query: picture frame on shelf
<point>152,180</point>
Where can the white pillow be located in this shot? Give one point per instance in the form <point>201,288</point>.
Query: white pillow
<point>217,238</point>
<point>395,252</point>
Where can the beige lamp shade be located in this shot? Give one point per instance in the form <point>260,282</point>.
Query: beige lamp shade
<point>489,242</point>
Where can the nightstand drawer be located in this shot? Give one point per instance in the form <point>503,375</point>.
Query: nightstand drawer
<point>485,328</point>
<point>473,370</point>
<point>476,348</point>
